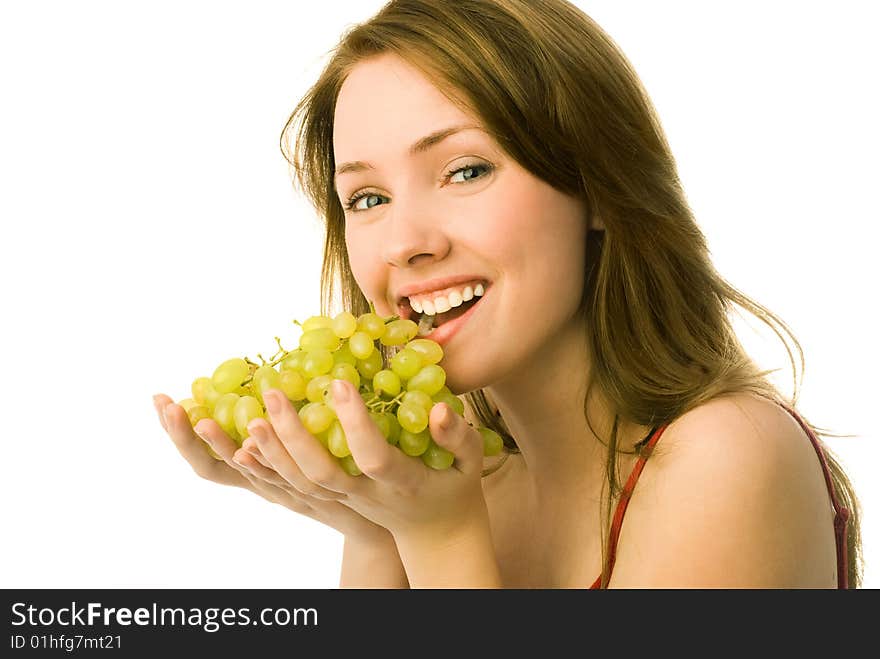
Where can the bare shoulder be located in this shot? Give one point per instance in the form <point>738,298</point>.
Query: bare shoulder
<point>733,496</point>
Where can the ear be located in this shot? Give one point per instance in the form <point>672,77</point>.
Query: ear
<point>597,224</point>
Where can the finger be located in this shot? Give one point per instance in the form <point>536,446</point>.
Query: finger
<point>216,438</point>
<point>375,457</point>
<point>250,445</point>
<point>193,449</point>
<point>295,454</point>
<point>456,435</point>
<point>250,463</point>
<point>160,402</point>
<point>283,496</point>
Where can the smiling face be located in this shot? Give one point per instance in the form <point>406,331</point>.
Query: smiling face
<point>457,207</point>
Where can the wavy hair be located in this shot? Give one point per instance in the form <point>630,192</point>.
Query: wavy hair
<point>561,98</point>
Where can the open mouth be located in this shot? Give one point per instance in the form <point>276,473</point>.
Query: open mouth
<point>455,312</point>
<point>427,322</point>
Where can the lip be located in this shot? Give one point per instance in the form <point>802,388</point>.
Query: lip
<point>437,284</point>
<point>446,331</point>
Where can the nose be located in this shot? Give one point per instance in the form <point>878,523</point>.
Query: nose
<point>413,237</point>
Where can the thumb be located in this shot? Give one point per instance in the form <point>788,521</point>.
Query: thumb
<point>452,432</point>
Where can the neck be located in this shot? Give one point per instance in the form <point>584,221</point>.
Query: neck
<point>542,405</point>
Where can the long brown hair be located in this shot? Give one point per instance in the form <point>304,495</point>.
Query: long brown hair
<point>561,98</point>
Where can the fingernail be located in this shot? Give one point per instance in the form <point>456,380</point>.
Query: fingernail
<point>446,417</point>
<point>271,402</point>
<point>340,391</point>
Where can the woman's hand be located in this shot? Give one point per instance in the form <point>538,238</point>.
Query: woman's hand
<point>241,467</point>
<point>420,506</point>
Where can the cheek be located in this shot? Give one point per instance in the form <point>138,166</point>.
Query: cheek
<point>544,232</point>
<point>367,270</point>
<point>356,260</point>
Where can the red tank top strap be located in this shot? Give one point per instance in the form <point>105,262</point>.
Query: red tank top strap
<point>841,513</point>
<point>625,496</point>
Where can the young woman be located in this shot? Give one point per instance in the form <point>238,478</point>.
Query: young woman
<point>507,147</point>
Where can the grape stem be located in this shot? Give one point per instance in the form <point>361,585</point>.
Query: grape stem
<point>386,320</point>
<point>376,404</point>
<point>274,360</point>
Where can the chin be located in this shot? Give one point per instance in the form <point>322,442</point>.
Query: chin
<point>462,381</point>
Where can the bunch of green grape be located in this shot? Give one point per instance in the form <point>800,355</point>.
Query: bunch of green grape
<point>399,394</point>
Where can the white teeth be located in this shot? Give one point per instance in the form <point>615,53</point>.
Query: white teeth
<point>443,303</point>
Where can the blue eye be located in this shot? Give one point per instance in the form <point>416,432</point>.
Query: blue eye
<point>354,199</point>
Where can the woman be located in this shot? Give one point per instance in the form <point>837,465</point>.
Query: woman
<point>509,145</point>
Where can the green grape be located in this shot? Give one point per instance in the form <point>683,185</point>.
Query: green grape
<point>293,384</point>
<point>223,414</point>
<point>230,374</point>
<point>412,417</point>
<point>446,396</point>
<point>316,387</point>
<point>386,382</point>
<point>196,413</point>
<point>429,379</point>
<point>344,324</point>
<point>361,345</point>
<point>316,322</point>
<point>349,466</point>
<point>246,408</point>
<point>437,457</point>
<point>492,441</point>
<point>431,351</point>
<point>321,337</point>
<point>187,403</point>
<point>343,355</point>
<point>414,443</point>
<point>370,366</point>
<point>318,361</point>
<point>393,428</point>
<point>406,363</point>
<point>294,360</point>
<point>420,398</point>
<point>204,393</point>
<point>382,421</point>
<point>322,437</point>
<point>316,417</point>
<point>346,371</point>
<point>398,332</point>
<point>337,443</point>
<point>265,377</point>
<point>371,324</point>
<point>341,348</point>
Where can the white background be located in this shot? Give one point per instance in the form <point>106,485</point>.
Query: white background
<point>150,230</point>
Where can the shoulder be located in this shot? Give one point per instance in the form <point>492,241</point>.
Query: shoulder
<point>733,496</point>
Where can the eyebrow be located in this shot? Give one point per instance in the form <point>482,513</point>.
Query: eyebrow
<point>420,146</point>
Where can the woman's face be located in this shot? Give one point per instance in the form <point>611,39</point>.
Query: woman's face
<point>492,221</point>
